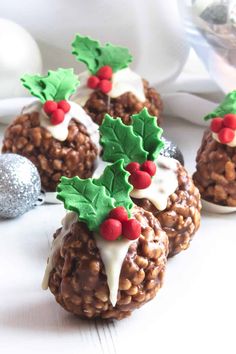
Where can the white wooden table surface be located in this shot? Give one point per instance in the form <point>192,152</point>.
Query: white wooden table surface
<point>195,311</point>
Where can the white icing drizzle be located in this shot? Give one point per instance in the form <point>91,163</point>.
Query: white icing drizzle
<point>112,254</point>
<point>124,80</point>
<point>231,144</point>
<point>69,219</point>
<point>60,131</point>
<point>164,183</point>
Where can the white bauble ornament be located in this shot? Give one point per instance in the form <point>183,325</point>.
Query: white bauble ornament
<point>19,54</point>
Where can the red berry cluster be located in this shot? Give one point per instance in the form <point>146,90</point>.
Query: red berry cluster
<point>118,224</point>
<point>56,110</point>
<point>102,79</point>
<point>224,127</point>
<point>140,175</point>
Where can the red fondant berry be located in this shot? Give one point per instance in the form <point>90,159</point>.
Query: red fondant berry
<point>132,167</point>
<point>64,105</point>
<point>105,72</point>
<point>230,121</point>
<point>119,213</point>
<point>93,82</point>
<point>131,229</point>
<point>149,167</point>
<point>140,179</point>
<point>49,107</point>
<point>216,124</point>
<point>111,229</point>
<point>226,135</point>
<point>105,86</point>
<point>57,116</point>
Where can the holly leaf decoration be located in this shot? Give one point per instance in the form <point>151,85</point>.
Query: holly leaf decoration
<point>93,199</point>
<point>115,180</point>
<point>34,85</point>
<point>138,142</point>
<point>120,142</point>
<point>116,57</point>
<point>227,106</point>
<point>57,85</point>
<point>86,50</point>
<point>94,55</point>
<point>90,201</point>
<point>145,126</point>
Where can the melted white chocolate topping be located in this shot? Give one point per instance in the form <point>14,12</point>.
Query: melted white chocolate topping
<point>69,219</point>
<point>164,183</point>
<point>112,254</point>
<point>124,80</point>
<point>231,144</point>
<point>60,131</point>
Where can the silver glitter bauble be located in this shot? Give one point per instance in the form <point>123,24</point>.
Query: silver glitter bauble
<point>172,150</point>
<point>20,185</point>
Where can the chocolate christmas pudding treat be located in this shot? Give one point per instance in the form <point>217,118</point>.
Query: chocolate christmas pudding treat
<point>161,185</point>
<point>50,132</point>
<point>109,256</point>
<point>109,85</point>
<point>215,173</point>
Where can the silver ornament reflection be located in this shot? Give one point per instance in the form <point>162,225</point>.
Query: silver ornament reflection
<point>172,150</point>
<point>19,185</point>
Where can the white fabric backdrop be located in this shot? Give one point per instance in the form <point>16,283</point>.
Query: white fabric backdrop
<point>152,29</point>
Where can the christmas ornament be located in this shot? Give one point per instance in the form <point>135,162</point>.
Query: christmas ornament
<point>19,185</point>
<point>172,150</point>
<point>210,26</point>
<point>18,53</point>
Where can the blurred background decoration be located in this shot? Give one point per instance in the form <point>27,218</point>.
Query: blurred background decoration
<point>154,31</point>
<point>211,30</point>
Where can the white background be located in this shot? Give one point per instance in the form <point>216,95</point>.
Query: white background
<point>195,311</point>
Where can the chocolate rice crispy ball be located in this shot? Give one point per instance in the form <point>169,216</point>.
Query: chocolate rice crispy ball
<point>123,106</point>
<point>73,157</point>
<point>215,174</point>
<point>78,279</point>
<point>181,218</point>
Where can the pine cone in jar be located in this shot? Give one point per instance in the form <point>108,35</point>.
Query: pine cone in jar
<point>78,277</point>
<point>215,173</point>
<point>181,217</point>
<point>109,85</point>
<point>50,133</point>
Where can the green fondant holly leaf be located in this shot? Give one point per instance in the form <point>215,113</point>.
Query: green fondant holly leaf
<point>120,142</point>
<point>57,85</point>
<point>115,180</point>
<point>86,50</point>
<point>34,85</point>
<point>90,201</point>
<point>93,199</point>
<point>227,106</point>
<point>94,55</point>
<point>116,57</point>
<point>145,126</point>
